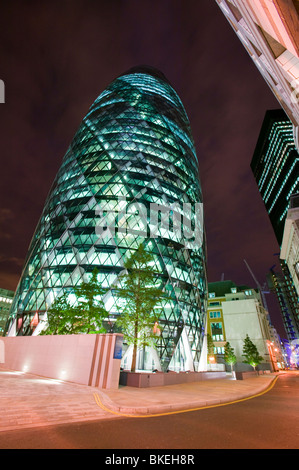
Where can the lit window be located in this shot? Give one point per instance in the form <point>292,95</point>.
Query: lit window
<point>217,332</point>
<point>215,314</point>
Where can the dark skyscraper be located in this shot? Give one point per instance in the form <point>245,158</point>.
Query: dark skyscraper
<point>281,284</point>
<point>130,176</point>
<point>275,166</point>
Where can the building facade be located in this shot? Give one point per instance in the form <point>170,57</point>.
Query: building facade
<point>6,297</point>
<point>130,176</point>
<point>235,311</point>
<point>269,33</point>
<point>290,243</point>
<point>275,166</point>
<point>281,284</point>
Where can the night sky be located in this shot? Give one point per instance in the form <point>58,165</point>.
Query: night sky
<point>56,57</point>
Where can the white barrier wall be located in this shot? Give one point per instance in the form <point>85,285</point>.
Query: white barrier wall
<point>92,360</point>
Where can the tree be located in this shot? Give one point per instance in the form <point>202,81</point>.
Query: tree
<point>59,317</point>
<point>229,355</point>
<point>85,316</point>
<point>141,295</point>
<point>90,306</point>
<point>251,353</point>
<point>210,348</point>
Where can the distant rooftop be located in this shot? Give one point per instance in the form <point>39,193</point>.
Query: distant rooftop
<point>224,287</point>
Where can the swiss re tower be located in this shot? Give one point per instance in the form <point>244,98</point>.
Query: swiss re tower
<point>134,146</point>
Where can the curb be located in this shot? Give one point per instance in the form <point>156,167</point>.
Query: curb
<point>107,404</point>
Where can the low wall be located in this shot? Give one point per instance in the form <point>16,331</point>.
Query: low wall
<point>143,379</point>
<point>92,360</point>
<point>244,367</point>
<point>216,367</point>
<point>246,374</point>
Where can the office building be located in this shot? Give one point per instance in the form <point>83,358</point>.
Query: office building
<point>269,33</point>
<point>281,284</point>
<point>290,243</point>
<point>275,166</point>
<point>129,176</point>
<point>235,311</point>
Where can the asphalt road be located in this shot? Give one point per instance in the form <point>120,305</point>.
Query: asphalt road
<point>270,421</point>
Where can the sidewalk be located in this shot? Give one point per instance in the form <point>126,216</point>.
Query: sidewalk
<point>30,401</point>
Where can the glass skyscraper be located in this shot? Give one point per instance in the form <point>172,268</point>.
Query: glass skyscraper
<point>6,297</point>
<point>129,176</point>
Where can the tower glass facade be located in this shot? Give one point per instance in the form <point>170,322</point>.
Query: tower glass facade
<point>6,297</point>
<point>130,176</point>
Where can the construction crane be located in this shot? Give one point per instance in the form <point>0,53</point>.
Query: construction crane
<point>262,290</point>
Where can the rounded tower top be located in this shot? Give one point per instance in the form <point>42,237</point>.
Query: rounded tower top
<point>147,69</point>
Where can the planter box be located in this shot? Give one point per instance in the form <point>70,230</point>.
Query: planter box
<point>157,379</point>
<point>246,375</point>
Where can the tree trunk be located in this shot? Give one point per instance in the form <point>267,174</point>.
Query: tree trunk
<point>134,357</point>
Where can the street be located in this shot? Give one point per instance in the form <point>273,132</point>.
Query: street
<point>269,421</point>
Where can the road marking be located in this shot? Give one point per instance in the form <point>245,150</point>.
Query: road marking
<point>128,415</point>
